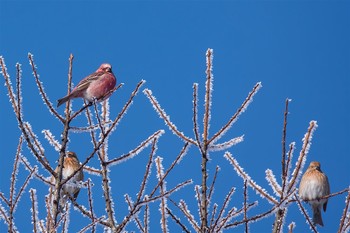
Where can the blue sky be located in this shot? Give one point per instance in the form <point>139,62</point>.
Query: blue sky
<point>297,49</point>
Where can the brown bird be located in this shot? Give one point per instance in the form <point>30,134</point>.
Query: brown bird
<point>314,185</point>
<point>70,165</point>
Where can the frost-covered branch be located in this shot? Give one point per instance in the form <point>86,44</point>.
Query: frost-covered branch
<point>306,215</point>
<point>263,193</point>
<point>235,117</point>
<point>165,117</point>
<point>41,89</point>
<point>208,95</point>
<point>34,209</point>
<point>344,225</point>
<point>297,172</point>
<point>163,202</point>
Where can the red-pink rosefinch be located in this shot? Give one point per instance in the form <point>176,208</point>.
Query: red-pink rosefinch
<point>314,185</point>
<point>97,85</point>
<point>72,187</point>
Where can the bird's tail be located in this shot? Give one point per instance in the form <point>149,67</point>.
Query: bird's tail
<point>317,217</point>
<point>62,100</point>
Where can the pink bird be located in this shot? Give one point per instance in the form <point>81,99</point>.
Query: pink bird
<point>97,85</point>
<point>313,186</point>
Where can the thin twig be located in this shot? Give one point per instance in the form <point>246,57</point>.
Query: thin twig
<point>305,214</point>
<point>34,210</point>
<point>283,161</point>
<point>344,216</point>
<point>208,93</point>
<point>233,119</point>
<point>211,189</point>
<point>41,89</point>
<point>245,206</point>
<point>195,117</point>
<point>163,115</point>
<point>303,154</point>
<point>177,220</point>
<point>180,156</point>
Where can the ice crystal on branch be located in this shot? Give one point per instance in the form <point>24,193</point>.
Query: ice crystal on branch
<point>165,117</point>
<point>208,95</point>
<point>240,171</point>
<point>235,117</point>
<point>226,145</point>
<point>52,140</point>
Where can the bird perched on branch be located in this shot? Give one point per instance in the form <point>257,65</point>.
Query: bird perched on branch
<point>72,187</point>
<point>313,186</point>
<point>98,85</point>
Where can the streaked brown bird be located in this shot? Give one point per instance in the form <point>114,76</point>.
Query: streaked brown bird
<point>314,185</point>
<point>72,187</point>
<point>97,85</point>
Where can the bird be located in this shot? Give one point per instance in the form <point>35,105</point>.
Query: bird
<point>72,187</point>
<point>313,186</point>
<point>98,85</point>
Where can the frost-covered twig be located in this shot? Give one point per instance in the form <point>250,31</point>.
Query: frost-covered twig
<point>306,215</point>
<point>271,179</point>
<point>163,203</point>
<point>176,161</point>
<point>11,94</point>
<point>234,118</point>
<point>183,207</point>
<point>137,150</point>
<point>245,207</point>
<point>285,172</point>
<point>284,135</point>
<point>218,222</point>
<point>195,117</point>
<point>263,193</point>
<point>34,210</point>
<point>19,88</point>
<point>146,218</point>
<point>98,117</point>
<point>87,213</point>
<point>345,218</point>
<point>178,221</point>
<point>226,145</point>
<point>107,195</point>
<point>291,227</point>
<point>93,219</point>
<point>302,156</point>
<point>259,216</point>
<point>213,214</point>
<point>52,140</point>
<point>211,189</point>
<point>135,207</point>
<point>208,95</point>
<point>135,216</point>
<point>12,205</point>
<point>91,225</point>
<point>31,169</point>
<point>148,171</point>
<point>41,89</point>
<point>288,166</point>
<point>165,117</point>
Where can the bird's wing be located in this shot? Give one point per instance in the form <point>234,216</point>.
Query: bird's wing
<point>85,83</point>
<point>328,192</point>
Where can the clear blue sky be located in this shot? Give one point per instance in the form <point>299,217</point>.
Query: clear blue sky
<point>297,49</point>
